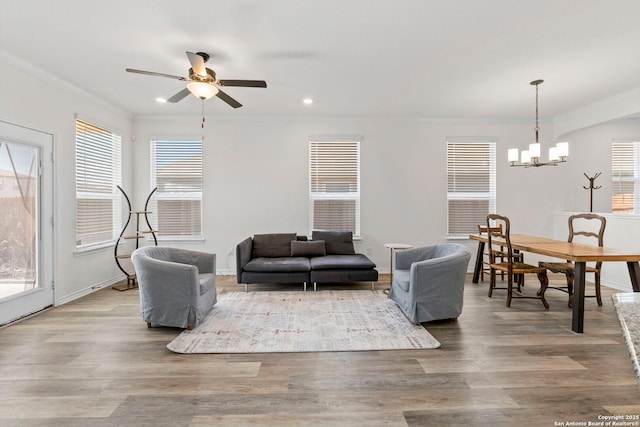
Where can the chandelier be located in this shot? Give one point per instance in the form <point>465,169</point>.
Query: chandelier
<point>531,157</point>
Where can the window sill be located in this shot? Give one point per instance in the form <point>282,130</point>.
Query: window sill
<point>460,237</point>
<point>95,247</point>
<point>181,239</point>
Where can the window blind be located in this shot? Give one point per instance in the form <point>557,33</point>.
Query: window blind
<point>471,185</point>
<point>176,169</point>
<point>624,168</point>
<point>334,185</point>
<point>98,166</point>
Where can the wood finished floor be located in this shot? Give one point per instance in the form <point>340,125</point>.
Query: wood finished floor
<point>93,362</point>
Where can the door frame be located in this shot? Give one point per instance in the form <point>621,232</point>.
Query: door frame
<point>18,306</point>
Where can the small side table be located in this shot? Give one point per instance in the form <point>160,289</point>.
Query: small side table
<point>392,247</point>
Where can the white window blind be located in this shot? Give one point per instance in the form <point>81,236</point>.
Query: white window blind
<point>334,185</point>
<point>98,170</point>
<point>471,185</point>
<point>625,168</point>
<point>176,169</point>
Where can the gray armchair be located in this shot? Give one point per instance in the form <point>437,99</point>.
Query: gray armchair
<point>177,286</point>
<point>428,282</point>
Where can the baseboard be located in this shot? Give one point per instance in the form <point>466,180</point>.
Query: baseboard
<point>89,290</point>
<point>226,272</point>
<point>623,287</point>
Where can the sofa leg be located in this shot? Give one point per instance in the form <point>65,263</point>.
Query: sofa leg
<point>246,287</point>
<point>190,327</point>
<point>315,286</point>
<point>304,286</point>
<point>148,324</point>
<point>373,286</point>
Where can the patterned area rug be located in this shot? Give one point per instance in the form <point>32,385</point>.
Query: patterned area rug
<point>281,322</point>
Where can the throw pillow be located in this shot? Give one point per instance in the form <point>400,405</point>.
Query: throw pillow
<point>272,245</point>
<point>336,242</point>
<point>308,249</point>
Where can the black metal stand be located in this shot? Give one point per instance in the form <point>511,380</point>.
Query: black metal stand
<point>139,234</point>
<point>591,187</point>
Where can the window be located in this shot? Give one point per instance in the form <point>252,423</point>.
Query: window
<point>471,185</point>
<point>98,201</point>
<point>625,170</point>
<point>334,184</point>
<point>176,169</point>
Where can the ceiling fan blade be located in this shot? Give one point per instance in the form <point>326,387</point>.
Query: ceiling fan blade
<point>179,96</point>
<point>197,64</point>
<point>244,83</point>
<point>229,100</point>
<point>152,73</point>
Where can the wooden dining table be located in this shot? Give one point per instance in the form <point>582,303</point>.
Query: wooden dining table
<point>579,253</point>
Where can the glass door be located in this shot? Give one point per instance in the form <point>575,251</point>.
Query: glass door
<point>26,216</point>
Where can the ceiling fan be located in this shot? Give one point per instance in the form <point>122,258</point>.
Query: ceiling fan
<point>202,81</point>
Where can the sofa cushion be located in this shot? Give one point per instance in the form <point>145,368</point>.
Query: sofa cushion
<point>337,262</point>
<point>272,245</point>
<point>278,265</point>
<point>336,242</point>
<point>308,249</point>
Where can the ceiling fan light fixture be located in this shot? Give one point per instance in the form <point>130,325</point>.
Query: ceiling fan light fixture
<point>202,90</point>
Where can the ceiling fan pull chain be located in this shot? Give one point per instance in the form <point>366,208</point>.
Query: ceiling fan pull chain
<point>202,113</point>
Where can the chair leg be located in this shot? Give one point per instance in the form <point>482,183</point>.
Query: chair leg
<point>598,294</point>
<point>544,282</point>
<point>509,290</point>
<point>492,281</point>
<point>569,276</point>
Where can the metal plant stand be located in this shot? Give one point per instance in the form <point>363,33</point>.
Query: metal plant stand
<point>139,234</point>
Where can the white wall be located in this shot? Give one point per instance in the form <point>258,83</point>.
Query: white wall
<point>591,153</point>
<point>256,178</point>
<point>34,99</point>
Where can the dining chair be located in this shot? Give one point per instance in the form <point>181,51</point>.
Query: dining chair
<point>482,231</point>
<point>511,265</point>
<point>580,225</point>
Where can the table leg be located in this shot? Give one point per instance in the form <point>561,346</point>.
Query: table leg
<point>390,266</point>
<point>577,321</point>
<point>478,267</point>
<point>634,275</point>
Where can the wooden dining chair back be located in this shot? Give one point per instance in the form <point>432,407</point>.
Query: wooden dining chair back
<point>482,231</point>
<point>503,259</point>
<point>585,225</point>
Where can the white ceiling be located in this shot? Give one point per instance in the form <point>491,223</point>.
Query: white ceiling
<point>362,58</point>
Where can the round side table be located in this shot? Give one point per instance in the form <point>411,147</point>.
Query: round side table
<point>392,247</point>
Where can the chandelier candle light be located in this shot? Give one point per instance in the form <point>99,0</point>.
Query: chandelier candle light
<point>531,157</point>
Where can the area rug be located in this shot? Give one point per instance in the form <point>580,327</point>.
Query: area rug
<point>281,322</point>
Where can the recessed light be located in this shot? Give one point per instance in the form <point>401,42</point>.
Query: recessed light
<point>161,100</point>
<point>308,101</point>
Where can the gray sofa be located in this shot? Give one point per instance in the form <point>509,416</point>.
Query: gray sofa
<point>329,257</point>
<point>177,286</point>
